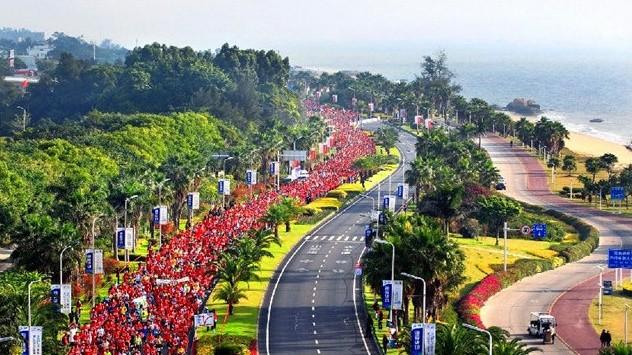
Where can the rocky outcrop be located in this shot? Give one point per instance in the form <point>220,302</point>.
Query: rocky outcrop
<point>524,107</point>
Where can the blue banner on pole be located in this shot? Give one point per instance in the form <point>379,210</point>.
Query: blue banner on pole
<point>24,333</point>
<point>386,295</point>
<point>400,191</point>
<point>89,262</point>
<point>220,187</point>
<point>617,193</point>
<point>416,340</point>
<point>155,215</point>
<point>120,238</point>
<point>620,258</point>
<point>386,203</point>
<point>55,296</point>
<point>539,230</point>
<point>190,201</point>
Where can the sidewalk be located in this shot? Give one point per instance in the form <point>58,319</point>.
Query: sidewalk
<point>574,327</point>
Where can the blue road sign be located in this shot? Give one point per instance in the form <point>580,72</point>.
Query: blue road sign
<point>617,193</point>
<point>539,230</point>
<point>620,258</point>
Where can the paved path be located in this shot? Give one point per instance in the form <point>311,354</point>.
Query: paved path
<point>526,181</point>
<point>314,303</point>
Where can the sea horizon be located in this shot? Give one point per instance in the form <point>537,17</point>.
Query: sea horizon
<point>571,92</point>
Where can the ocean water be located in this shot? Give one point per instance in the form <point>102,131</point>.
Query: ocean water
<point>570,91</point>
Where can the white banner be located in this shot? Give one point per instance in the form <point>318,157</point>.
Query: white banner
<point>223,187</point>
<point>32,339</point>
<point>419,120</point>
<point>251,177</point>
<point>204,319</point>
<point>94,261</point>
<point>388,202</point>
<point>62,296</point>
<point>397,292</point>
<point>193,200</point>
<point>275,167</point>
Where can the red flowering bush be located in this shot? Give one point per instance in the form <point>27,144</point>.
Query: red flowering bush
<point>469,307</point>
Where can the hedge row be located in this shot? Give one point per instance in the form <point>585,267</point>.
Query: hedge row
<point>470,305</point>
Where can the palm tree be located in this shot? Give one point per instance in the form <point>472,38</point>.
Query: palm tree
<point>292,209</point>
<point>607,162</point>
<point>264,239</point>
<point>456,340</point>
<point>231,295</point>
<point>276,215</point>
<point>593,166</point>
<point>503,345</point>
<point>524,128</point>
<point>569,164</point>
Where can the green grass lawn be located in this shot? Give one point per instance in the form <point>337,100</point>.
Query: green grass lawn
<point>612,312</point>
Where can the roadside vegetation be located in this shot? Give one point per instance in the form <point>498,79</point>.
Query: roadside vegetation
<point>613,310</point>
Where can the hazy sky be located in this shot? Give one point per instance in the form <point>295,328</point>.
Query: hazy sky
<point>317,31</point>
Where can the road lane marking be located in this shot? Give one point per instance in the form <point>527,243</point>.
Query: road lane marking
<point>339,238</point>
<point>289,260</point>
<point>332,237</point>
<point>355,307</point>
<point>354,238</point>
<point>346,238</point>
<point>316,340</point>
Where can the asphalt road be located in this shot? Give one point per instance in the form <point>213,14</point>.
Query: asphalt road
<point>314,303</point>
<point>526,181</point>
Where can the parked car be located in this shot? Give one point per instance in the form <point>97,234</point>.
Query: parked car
<point>607,287</point>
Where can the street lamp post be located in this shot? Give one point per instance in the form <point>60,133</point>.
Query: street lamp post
<point>94,221</point>
<point>127,200</point>
<point>160,184</point>
<point>601,268</point>
<point>423,304</point>
<point>61,265</point>
<point>477,329</point>
<point>29,308</point>
<point>625,323</point>
<point>224,176</point>
<point>382,241</point>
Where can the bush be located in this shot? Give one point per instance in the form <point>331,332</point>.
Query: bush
<point>339,194</point>
<point>310,210</point>
<point>470,228</point>
<point>555,232</point>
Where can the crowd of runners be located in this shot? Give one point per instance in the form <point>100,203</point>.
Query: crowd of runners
<point>151,310</point>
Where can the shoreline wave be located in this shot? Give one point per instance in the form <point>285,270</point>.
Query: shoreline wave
<point>585,128</point>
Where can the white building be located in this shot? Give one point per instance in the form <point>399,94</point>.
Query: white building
<point>39,51</point>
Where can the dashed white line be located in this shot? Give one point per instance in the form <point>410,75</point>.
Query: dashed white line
<point>332,237</point>
<point>315,332</point>
<point>339,238</point>
<point>316,340</point>
<point>313,308</point>
<point>346,238</point>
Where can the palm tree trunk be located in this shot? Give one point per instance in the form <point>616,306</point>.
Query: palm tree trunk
<point>287,226</point>
<point>276,230</point>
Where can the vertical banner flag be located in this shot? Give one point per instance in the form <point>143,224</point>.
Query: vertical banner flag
<point>55,294</point>
<point>429,338</point>
<point>94,261</point>
<point>419,120</point>
<point>24,333</point>
<point>193,200</point>
<point>396,292</point>
<point>334,98</point>
<point>159,215</point>
<point>274,168</point>
<point>32,336</point>
<point>402,191</point>
<point>204,319</point>
<point>61,296</point>
<point>223,187</point>
<point>371,106</point>
<point>387,291</point>
<point>125,238</point>
<point>389,202</point>
<point>416,339</point>
<point>251,177</point>
<point>354,101</point>
<point>428,123</point>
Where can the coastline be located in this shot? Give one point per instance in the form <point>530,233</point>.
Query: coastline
<point>584,144</point>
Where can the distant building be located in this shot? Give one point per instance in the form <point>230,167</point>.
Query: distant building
<point>39,51</point>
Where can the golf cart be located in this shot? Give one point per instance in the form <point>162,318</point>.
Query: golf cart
<point>542,325</point>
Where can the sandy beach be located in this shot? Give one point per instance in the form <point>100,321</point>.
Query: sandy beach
<point>588,145</point>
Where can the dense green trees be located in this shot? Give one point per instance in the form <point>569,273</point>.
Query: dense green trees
<point>386,137</point>
<point>423,249</point>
